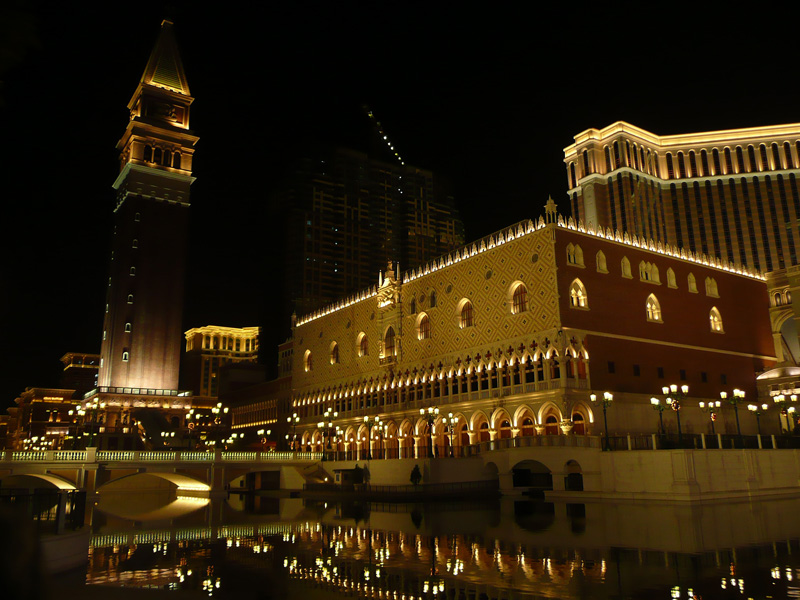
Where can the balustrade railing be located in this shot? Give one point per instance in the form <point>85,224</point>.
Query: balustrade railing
<point>157,456</point>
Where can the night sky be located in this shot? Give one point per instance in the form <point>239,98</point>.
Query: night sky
<point>485,94</point>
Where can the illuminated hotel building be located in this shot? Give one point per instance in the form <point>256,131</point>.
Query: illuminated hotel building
<point>513,332</point>
<point>729,194</point>
<point>141,345</point>
<point>349,214</point>
<point>209,348</point>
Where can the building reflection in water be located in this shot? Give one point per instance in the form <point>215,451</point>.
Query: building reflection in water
<point>510,549</point>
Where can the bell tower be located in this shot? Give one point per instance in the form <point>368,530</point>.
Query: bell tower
<point>142,329</point>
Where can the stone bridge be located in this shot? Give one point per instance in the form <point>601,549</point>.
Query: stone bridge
<point>192,473</point>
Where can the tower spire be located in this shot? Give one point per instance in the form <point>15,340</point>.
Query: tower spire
<point>165,68</point>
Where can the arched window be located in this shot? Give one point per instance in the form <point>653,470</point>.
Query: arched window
<point>308,362</point>
<point>157,156</point>
<point>128,327</point>
<point>655,277</point>
<point>777,299</point>
<point>423,327</point>
<point>671,282</point>
<point>466,314</point>
<point>167,158</point>
<point>135,243</point>
<point>176,160</point>
<point>148,154</point>
<point>433,298</point>
<point>692,283</point>
<point>716,320</point>
<point>711,287</point>
<point>125,356</point>
<point>363,346</point>
<point>574,255</point>
<point>137,217</point>
<point>334,353</point>
<point>577,295</point>
<point>130,298</point>
<point>740,159</point>
<point>133,271</point>
<point>388,343</point>
<point>519,299</point>
<point>413,306</point>
<point>602,267</point>
<point>643,273</point>
<point>653,309</point>
<point>626,267</point>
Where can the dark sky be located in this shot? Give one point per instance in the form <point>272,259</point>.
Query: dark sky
<point>485,94</point>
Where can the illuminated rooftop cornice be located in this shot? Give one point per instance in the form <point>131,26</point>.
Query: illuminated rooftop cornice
<point>725,136</point>
<point>524,228</point>
<point>245,332</point>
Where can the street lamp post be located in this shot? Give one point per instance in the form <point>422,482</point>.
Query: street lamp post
<point>738,396</point>
<point>430,418</point>
<point>371,422</point>
<point>656,402</point>
<point>608,398</point>
<point>293,421</point>
<point>786,411</point>
<point>449,422</point>
<point>675,396</point>
<point>711,409</point>
<point>758,411</point>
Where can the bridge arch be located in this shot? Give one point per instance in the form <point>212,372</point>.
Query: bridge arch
<point>573,476</point>
<point>183,483</point>
<point>51,480</point>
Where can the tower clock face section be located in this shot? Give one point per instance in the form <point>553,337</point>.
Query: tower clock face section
<point>142,326</point>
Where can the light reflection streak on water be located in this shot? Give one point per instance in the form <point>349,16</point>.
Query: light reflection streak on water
<point>369,560</point>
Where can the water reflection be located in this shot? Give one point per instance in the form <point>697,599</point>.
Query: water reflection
<point>268,547</point>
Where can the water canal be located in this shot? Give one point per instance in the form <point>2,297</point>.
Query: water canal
<point>250,546</point>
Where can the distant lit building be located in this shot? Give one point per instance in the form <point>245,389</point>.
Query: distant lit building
<point>80,372</point>
<point>348,214</point>
<point>44,419</point>
<point>211,347</point>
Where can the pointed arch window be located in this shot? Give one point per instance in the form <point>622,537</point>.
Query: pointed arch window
<point>424,327</point>
<point>334,353</point>
<point>388,343</point>
<point>625,264</point>
<point>466,315</point>
<point>711,287</point>
<point>715,320</point>
<point>577,295</point>
<point>519,299</point>
<point>308,361</point>
<point>692,283</point>
<point>602,266</point>
<point>653,309</point>
<point>363,345</point>
<point>671,282</point>
<point>574,255</point>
